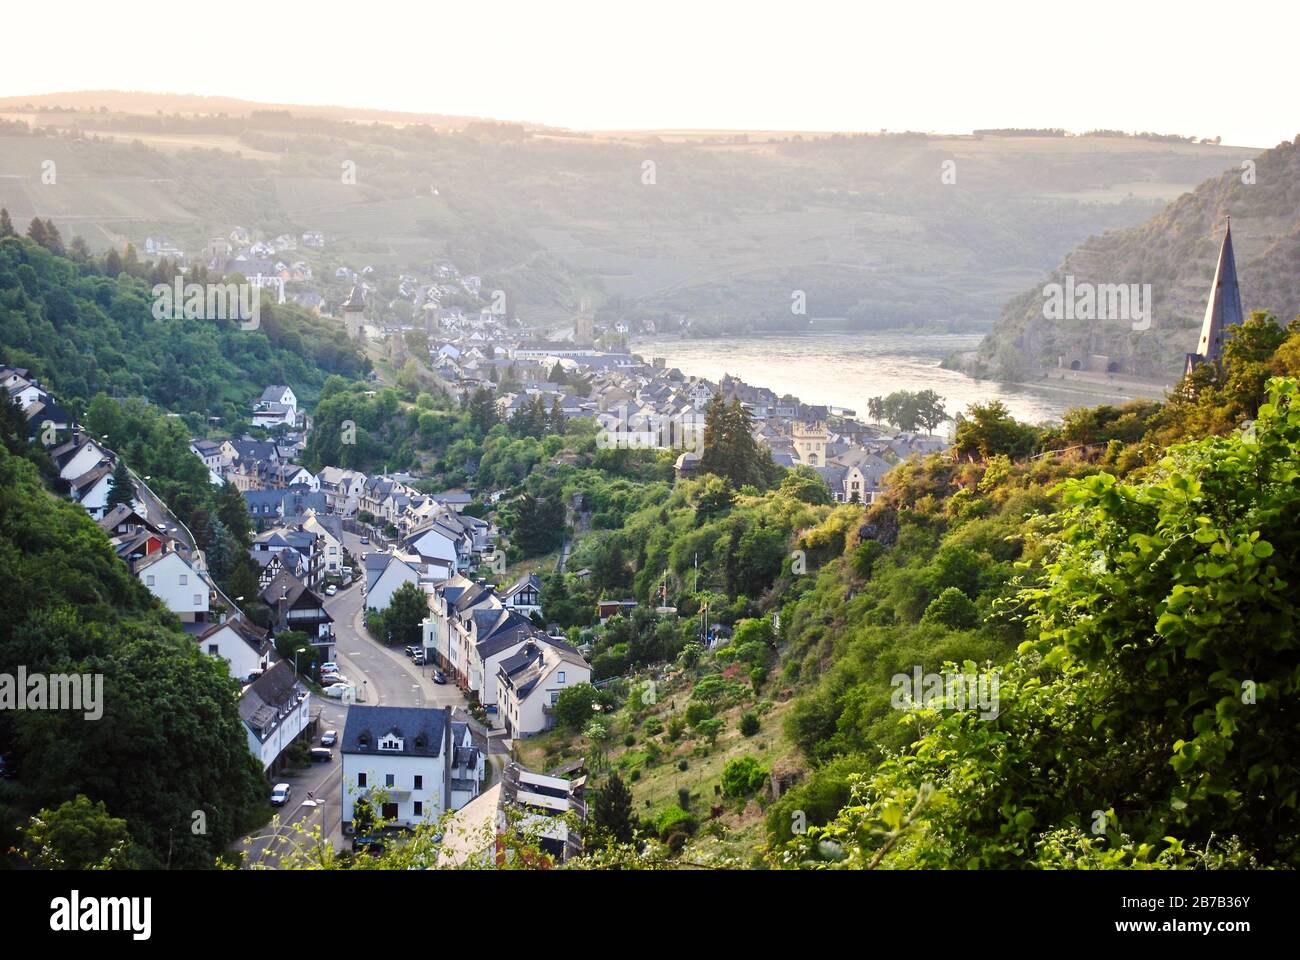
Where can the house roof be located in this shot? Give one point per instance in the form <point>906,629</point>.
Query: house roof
<point>254,636</point>
<point>269,699</point>
<point>421,729</point>
<point>292,589</point>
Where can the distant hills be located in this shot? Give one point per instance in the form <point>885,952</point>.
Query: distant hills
<point>1174,252</point>
<point>719,228</point>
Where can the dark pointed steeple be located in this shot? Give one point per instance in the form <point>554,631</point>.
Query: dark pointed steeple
<point>1223,309</point>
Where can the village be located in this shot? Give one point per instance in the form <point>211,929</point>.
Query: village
<point>432,726</point>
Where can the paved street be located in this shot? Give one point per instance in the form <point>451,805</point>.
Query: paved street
<point>315,801</point>
<point>383,676</point>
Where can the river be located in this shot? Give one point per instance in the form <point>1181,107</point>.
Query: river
<point>847,369</point>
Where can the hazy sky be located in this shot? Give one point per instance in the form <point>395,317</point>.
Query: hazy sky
<point>1193,68</point>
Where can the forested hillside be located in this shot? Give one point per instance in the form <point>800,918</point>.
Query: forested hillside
<point>169,743</point>
<point>1126,577</point>
<point>1175,253</point>
<point>85,325</point>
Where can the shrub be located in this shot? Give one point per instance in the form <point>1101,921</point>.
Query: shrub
<point>674,820</point>
<point>654,726</point>
<point>682,765</point>
<point>952,609</point>
<point>684,797</point>
<point>742,777</point>
<point>629,740</point>
<point>697,712</point>
<point>676,727</point>
<point>749,723</point>
<point>573,707</point>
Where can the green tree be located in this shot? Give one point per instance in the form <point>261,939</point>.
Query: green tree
<point>953,609</point>
<point>573,708</point>
<point>408,607</point>
<point>77,835</point>
<point>122,487</point>
<point>611,812</point>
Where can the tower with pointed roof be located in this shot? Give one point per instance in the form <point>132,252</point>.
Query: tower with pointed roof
<point>1222,310</point>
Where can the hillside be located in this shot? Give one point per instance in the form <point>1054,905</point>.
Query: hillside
<point>723,232</point>
<point>1118,576</point>
<point>85,332</point>
<point>1175,253</point>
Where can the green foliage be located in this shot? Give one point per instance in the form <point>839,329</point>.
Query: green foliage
<point>988,429</point>
<point>952,609</point>
<point>611,812</point>
<point>674,819</point>
<point>573,708</point>
<point>170,713</point>
<point>742,777</point>
<point>1148,719</point>
<point>730,450</point>
<point>77,835</point>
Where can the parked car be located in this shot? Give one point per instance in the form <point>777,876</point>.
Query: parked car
<point>339,690</point>
<point>331,590</point>
<point>329,666</point>
<point>321,754</point>
<point>329,738</point>
<point>280,794</point>
<point>365,540</point>
<point>332,679</point>
<point>439,677</point>
<point>418,658</point>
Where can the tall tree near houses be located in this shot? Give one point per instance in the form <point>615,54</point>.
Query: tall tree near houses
<point>122,486</point>
<point>233,513</point>
<point>612,811</point>
<point>6,225</point>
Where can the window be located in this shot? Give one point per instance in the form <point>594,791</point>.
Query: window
<point>214,648</point>
<point>561,678</point>
<point>419,784</point>
<point>555,697</point>
<point>148,581</point>
<point>388,779</point>
<point>198,599</point>
<point>361,779</point>
<point>184,579</point>
<point>419,808</point>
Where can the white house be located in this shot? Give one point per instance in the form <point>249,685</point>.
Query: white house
<point>436,542</point>
<point>525,595</point>
<point>276,709</point>
<point>385,573</point>
<point>179,586</point>
<point>92,488</point>
<point>245,648</point>
<point>276,405</point>
<point>78,456</point>
<point>530,682</point>
<point>331,534</point>
<point>404,757</point>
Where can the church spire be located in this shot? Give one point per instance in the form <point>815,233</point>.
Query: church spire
<point>1224,306</point>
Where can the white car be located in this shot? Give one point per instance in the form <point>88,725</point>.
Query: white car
<point>280,794</point>
<point>339,690</point>
<point>331,590</point>
<point>329,666</point>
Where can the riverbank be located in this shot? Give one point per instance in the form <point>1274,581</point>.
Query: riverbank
<point>847,370</point>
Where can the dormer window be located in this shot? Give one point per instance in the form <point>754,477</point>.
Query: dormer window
<point>391,743</point>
